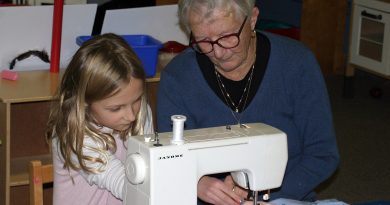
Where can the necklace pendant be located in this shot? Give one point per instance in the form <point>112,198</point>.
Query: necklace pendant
<point>237,110</point>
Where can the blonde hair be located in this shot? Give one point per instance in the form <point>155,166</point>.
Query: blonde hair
<point>241,7</point>
<point>97,70</point>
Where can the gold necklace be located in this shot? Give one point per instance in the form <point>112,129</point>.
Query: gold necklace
<point>227,97</point>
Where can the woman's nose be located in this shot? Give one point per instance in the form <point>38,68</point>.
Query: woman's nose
<point>218,51</point>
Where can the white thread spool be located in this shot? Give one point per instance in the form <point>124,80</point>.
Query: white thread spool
<point>178,128</point>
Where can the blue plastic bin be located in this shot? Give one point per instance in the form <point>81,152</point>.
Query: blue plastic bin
<point>145,46</point>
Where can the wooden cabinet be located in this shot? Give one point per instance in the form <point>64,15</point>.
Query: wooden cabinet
<point>323,31</point>
<point>24,110</point>
<point>165,2</point>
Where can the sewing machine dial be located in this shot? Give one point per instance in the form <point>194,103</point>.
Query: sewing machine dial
<point>135,168</point>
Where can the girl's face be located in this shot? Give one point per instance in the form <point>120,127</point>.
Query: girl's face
<point>120,110</point>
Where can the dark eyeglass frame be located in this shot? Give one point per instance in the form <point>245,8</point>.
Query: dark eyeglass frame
<point>194,44</point>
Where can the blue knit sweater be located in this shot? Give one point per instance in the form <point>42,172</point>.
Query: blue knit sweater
<point>292,97</point>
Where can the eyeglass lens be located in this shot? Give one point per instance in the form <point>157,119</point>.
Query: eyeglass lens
<point>228,41</point>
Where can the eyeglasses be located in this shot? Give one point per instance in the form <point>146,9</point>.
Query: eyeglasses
<point>228,41</point>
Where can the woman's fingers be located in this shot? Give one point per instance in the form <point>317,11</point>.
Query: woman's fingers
<point>242,193</point>
<point>215,191</point>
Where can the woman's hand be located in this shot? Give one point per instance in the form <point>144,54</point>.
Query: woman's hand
<point>215,191</point>
<point>242,193</point>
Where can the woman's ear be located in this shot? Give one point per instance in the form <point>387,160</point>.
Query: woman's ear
<point>253,19</point>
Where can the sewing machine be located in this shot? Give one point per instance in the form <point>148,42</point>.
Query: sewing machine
<point>165,168</point>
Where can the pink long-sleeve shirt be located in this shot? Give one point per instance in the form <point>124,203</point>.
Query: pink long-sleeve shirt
<point>104,188</point>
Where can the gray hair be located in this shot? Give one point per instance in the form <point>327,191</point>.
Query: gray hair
<point>241,7</point>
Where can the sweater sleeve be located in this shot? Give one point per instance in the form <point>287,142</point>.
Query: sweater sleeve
<point>112,175</point>
<point>313,119</point>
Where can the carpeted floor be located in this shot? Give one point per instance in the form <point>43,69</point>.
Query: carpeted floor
<point>362,125</point>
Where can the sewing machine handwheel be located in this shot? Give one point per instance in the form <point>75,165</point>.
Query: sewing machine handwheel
<point>135,168</point>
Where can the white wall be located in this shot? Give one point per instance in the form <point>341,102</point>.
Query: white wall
<point>24,28</point>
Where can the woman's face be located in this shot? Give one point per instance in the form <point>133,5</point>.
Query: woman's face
<point>119,111</point>
<point>219,24</point>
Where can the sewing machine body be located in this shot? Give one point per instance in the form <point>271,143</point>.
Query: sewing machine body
<point>169,173</point>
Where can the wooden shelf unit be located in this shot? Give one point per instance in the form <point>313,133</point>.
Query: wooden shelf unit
<point>24,110</point>
<point>23,114</point>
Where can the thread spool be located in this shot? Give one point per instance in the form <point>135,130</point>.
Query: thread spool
<point>178,129</point>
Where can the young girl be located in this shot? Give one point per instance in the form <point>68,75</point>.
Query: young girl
<point>101,101</point>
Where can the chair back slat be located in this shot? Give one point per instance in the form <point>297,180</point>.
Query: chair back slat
<point>39,175</point>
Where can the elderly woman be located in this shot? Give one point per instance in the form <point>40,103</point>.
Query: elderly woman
<point>233,74</point>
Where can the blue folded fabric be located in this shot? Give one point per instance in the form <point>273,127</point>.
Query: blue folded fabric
<point>283,201</point>
<point>374,203</point>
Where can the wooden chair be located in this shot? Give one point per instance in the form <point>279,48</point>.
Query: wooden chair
<point>39,175</point>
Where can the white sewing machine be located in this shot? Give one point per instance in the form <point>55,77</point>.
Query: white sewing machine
<point>165,169</point>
